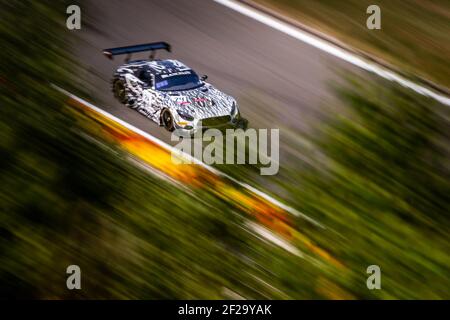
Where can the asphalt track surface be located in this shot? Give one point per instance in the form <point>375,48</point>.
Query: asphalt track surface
<point>278,81</point>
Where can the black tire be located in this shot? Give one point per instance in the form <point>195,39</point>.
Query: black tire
<point>167,120</point>
<point>120,92</point>
<point>242,124</point>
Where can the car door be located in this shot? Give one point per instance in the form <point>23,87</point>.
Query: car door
<point>149,95</point>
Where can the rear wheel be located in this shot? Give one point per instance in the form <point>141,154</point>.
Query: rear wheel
<point>119,90</point>
<point>167,120</point>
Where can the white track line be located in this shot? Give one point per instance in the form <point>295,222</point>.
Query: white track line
<point>266,234</point>
<point>331,49</point>
<point>189,157</point>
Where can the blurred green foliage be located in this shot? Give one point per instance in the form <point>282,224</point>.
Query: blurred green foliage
<point>381,181</point>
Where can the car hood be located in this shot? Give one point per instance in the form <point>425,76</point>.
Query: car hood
<point>203,102</point>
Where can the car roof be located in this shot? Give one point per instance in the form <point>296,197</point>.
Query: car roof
<point>168,66</point>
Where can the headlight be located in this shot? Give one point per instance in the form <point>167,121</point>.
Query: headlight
<point>185,115</point>
<point>234,109</point>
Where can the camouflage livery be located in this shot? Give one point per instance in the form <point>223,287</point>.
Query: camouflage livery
<point>172,95</point>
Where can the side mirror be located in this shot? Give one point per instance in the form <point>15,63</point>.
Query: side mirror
<point>204,77</point>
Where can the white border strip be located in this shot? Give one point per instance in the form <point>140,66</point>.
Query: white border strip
<point>330,48</point>
<point>188,156</point>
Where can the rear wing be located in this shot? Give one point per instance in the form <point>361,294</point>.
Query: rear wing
<point>110,53</point>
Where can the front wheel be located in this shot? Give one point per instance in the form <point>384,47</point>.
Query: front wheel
<point>167,120</point>
<point>242,124</point>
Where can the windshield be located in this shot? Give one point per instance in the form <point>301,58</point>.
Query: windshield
<point>175,82</point>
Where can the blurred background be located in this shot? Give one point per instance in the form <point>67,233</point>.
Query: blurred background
<point>364,163</point>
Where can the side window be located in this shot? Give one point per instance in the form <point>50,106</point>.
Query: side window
<point>146,77</point>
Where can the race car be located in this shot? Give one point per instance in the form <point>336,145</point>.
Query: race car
<point>170,93</point>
